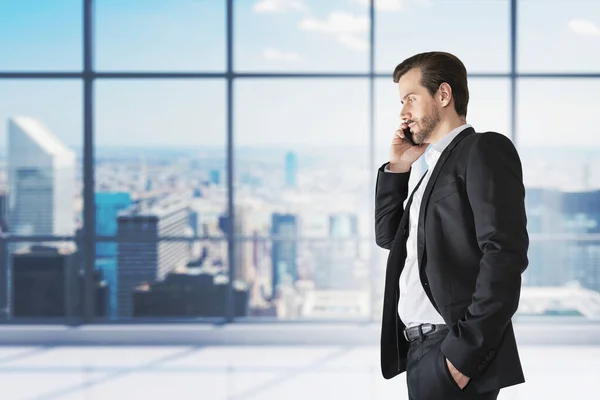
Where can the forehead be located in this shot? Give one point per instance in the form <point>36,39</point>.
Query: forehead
<point>410,82</point>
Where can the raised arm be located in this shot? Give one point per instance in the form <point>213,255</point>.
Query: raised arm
<point>391,190</point>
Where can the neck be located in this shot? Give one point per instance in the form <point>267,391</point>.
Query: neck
<point>445,127</point>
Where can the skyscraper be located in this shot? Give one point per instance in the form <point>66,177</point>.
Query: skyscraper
<point>149,259</point>
<point>290,169</point>
<point>243,263</point>
<point>343,225</point>
<point>285,269</point>
<point>45,282</point>
<point>3,211</point>
<point>108,206</point>
<point>41,174</point>
<point>215,177</point>
<point>341,262</point>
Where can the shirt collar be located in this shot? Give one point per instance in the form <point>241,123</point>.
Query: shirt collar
<point>435,150</point>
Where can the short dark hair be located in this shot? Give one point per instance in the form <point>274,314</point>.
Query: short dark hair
<point>436,68</point>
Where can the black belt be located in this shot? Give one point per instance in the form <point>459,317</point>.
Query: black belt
<point>421,331</point>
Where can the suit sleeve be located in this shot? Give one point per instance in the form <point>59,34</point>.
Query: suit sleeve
<point>495,191</point>
<point>391,189</point>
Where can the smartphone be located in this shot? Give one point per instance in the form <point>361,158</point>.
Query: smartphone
<point>408,136</point>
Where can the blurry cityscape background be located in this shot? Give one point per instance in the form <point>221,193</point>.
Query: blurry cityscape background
<point>216,159</point>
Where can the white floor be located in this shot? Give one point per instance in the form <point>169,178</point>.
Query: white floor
<point>258,372</point>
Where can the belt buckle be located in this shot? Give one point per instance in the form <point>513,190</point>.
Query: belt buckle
<point>430,328</point>
<point>405,335</point>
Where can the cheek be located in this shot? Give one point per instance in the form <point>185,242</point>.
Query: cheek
<point>418,112</point>
<point>424,112</point>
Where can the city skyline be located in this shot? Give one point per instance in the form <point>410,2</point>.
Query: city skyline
<point>270,192</point>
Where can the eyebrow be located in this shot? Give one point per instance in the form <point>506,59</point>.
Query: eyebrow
<point>404,98</point>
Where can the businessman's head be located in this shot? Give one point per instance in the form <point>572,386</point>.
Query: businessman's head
<point>433,89</point>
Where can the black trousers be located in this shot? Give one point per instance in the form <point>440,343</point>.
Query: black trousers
<point>428,376</point>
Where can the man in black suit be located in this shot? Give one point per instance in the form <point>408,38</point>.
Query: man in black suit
<point>459,246</point>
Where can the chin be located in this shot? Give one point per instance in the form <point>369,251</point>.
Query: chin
<point>419,139</point>
<point>424,138</point>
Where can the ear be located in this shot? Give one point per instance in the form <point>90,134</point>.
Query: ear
<point>445,94</point>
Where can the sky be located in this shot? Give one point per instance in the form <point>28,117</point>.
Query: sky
<point>293,36</point>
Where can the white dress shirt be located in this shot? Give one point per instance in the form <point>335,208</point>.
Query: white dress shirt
<point>414,307</point>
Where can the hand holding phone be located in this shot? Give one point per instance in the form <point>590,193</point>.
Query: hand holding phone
<point>406,133</point>
<point>404,151</point>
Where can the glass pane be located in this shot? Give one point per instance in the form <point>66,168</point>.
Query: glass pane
<point>169,278</point>
<point>319,278</point>
<point>174,278</point>
<point>273,35</point>
<point>155,35</point>
<point>562,176</point>
<point>475,31</point>
<point>40,180</point>
<point>558,36</point>
<point>302,172</point>
<point>160,172</point>
<point>542,103</point>
<point>41,35</point>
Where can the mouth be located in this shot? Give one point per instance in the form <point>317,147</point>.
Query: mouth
<point>412,125</point>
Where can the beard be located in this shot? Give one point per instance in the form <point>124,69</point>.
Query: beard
<point>427,125</point>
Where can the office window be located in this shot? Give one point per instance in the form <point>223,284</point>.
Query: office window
<point>301,36</point>
<point>558,142</point>
<point>475,31</point>
<point>40,186</point>
<point>558,36</point>
<point>302,178</point>
<point>41,35</point>
<point>160,173</point>
<point>154,35</point>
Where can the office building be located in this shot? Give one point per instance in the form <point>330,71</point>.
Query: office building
<point>284,250</point>
<point>45,282</point>
<point>41,176</point>
<point>142,258</point>
<point>291,169</point>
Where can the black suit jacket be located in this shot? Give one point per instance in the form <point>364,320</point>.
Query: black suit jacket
<point>472,249</point>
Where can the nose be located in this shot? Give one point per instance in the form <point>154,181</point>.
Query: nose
<point>404,114</point>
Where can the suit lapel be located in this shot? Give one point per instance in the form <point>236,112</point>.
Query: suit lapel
<point>404,223</point>
<point>428,189</point>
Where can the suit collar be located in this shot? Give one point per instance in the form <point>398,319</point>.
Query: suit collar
<point>441,144</point>
<point>434,151</point>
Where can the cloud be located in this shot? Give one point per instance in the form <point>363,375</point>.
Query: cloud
<point>353,42</point>
<point>348,29</point>
<point>584,27</point>
<point>392,5</point>
<point>277,55</point>
<point>383,5</point>
<point>279,6</point>
<point>337,22</point>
